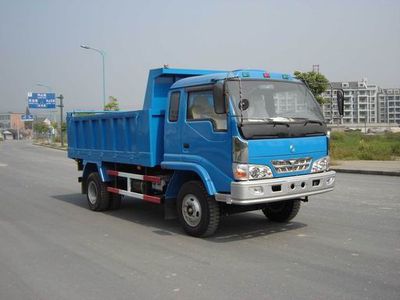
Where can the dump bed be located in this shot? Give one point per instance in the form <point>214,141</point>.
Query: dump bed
<point>134,137</point>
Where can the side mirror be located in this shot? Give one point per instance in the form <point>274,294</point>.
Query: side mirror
<point>219,97</point>
<point>340,101</point>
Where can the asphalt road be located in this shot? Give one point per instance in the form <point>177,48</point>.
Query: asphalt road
<point>342,245</point>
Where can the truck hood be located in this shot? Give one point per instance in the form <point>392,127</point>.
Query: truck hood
<point>287,147</point>
<point>288,150</point>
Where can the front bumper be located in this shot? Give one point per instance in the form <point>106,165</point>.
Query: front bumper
<point>277,189</point>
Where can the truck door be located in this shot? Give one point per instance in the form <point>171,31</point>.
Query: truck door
<point>205,137</point>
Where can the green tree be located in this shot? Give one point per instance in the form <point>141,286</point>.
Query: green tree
<point>40,127</point>
<point>64,127</point>
<point>54,124</point>
<point>316,82</point>
<point>112,104</point>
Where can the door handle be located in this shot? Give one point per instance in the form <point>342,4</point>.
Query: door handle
<point>186,145</point>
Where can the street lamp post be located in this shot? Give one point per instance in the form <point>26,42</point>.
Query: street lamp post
<point>102,53</point>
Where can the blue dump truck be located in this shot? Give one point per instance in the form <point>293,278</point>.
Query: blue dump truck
<point>205,145</point>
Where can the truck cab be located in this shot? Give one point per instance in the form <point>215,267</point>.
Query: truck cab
<point>256,139</point>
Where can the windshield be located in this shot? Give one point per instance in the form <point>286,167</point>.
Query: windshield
<point>273,101</point>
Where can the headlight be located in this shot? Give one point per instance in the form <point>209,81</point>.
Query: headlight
<point>251,172</point>
<point>320,165</point>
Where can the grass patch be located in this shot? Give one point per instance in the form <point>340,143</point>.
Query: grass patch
<point>358,146</point>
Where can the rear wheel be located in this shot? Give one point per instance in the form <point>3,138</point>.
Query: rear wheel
<point>282,211</point>
<point>198,212</point>
<point>97,195</point>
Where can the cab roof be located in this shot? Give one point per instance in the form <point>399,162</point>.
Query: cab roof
<point>220,75</point>
<point>162,80</point>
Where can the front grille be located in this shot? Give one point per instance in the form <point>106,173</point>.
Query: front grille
<point>291,165</point>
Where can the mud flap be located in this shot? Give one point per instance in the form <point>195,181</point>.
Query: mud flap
<point>170,212</point>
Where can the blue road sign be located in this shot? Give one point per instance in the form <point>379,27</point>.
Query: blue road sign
<point>26,118</point>
<point>42,100</point>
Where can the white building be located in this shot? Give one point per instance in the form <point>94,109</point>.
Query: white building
<point>389,105</point>
<point>360,102</point>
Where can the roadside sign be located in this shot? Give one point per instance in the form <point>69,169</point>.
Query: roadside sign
<point>26,118</point>
<point>42,100</point>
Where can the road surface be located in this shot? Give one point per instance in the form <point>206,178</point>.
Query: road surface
<point>342,245</point>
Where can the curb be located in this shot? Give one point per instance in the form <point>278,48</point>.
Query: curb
<point>50,146</point>
<point>368,172</point>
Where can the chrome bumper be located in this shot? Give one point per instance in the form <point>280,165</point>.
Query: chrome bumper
<point>277,189</point>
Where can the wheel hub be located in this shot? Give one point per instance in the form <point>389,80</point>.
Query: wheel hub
<point>92,192</point>
<point>191,210</point>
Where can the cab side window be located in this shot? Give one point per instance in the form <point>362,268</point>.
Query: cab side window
<point>201,107</point>
<point>174,107</point>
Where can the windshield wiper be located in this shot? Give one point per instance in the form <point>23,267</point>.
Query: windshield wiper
<point>313,122</point>
<point>309,121</point>
<point>279,123</point>
<point>266,121</point>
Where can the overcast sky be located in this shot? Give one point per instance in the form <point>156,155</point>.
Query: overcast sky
<point>39,43</point>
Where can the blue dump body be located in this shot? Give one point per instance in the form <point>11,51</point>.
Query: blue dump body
<point>134,137</point>
<point>210,142</point>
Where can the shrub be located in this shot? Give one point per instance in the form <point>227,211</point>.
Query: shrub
<point>355,145</point>
<point>396,149</point>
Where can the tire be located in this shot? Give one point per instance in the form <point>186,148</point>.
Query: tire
<point>198,213</point>
<point>115,202</point>
<point>282,211</point>
<point>97,195</point>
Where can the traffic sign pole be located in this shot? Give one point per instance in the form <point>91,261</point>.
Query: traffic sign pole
<point>61,106</point>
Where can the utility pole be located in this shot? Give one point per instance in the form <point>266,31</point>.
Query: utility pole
<point>61,106</point>
<point>332,120</point>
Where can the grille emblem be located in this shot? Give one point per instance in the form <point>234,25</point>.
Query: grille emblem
<point>292,161</point>
<point>292,148</point>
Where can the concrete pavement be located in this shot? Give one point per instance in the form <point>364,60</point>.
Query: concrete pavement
<point>342,245</point>
<point>371,167</point>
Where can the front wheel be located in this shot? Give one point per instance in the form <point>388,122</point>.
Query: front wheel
<point>198,212</point>
<point>282,211</point>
